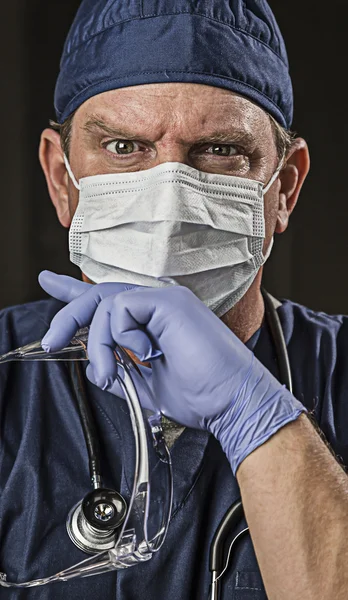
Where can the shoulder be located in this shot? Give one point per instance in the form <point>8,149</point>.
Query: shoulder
<point>26,323</point>
<point>318,350</point>
<point>316,340</point>
<point>302,324</point>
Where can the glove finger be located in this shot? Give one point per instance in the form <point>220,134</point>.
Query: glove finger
<point>129,331</point>
<point>101,340</point>
<point>62,287</point>
<point>100,348</point>
<point>147,374</point>
<point>143,385</point>
<point>116,389</point>
<point>78,313</point>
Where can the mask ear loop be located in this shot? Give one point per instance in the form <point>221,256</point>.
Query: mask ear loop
<point>71,174</point>
<point>275,175</point>
<point>265,189</point>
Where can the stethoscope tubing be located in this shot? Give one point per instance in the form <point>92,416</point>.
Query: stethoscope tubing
<point>235,513</point>
<point>87,421</point>
<point>215,576</point>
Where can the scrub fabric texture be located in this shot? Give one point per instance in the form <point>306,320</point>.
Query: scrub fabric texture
<point>44,467</point>
<point>233,44</point>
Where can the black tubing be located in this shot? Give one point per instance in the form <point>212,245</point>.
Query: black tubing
<point>275,326</point>
<point>87,421</point>
<point>231,518</point>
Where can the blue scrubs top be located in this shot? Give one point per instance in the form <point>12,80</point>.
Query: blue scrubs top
<point>44,466</point>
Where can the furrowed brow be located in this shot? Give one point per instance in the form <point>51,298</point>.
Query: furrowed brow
<point>227,137</point>
<point>97,125</point>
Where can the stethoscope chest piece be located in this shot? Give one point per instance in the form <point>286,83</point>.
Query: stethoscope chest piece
<point>92,523</point>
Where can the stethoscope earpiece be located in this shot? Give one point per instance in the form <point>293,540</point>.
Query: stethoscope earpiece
<point>91,523</point>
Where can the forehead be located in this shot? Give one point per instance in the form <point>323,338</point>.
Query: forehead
<point>176,107</point>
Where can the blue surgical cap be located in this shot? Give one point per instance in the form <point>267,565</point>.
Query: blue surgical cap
<point>232,44</point>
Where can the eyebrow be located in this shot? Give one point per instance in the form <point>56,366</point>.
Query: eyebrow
<point>96,123</point>
<point>226,137</point>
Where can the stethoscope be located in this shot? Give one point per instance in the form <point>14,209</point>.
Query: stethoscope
<point>103,510</point>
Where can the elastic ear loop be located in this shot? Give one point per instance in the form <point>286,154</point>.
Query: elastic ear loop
<point>269,250</point>
<point>275,175</point>
<point>265,189</point>
<point>71,174</point>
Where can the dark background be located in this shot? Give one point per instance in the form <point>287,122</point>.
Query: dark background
<point>308,263</point>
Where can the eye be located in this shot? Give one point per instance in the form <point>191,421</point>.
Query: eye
<point>122,147</point>
<point>222,150</point>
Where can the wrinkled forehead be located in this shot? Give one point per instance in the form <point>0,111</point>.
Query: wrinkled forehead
<point>183,109</point>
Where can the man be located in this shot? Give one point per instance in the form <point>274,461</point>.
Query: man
<point>173,168</point>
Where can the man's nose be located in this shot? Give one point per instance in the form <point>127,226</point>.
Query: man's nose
<point>172,152</point>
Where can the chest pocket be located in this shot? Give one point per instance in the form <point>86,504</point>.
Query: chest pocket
<point>249,586</point>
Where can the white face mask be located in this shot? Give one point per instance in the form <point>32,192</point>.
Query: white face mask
<point>171,225</point>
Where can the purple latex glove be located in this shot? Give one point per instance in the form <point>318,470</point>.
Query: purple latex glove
<point>202,375</point>
<point>67,289</point>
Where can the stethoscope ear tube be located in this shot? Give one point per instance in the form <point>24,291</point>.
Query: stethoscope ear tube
<point>276,330</point>
<point>216,558</point>
<point>232,517</point>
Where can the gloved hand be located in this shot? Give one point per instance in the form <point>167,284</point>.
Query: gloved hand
<point>202,376</point>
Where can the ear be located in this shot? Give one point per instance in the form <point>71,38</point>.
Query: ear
<point>52,162</point>
<point>291,178</point>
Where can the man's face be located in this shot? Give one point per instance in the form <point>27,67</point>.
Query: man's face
<point>208,128</point>
<point>211,129</point>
